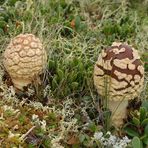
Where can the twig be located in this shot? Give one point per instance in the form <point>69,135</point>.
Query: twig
<point>24,135</point>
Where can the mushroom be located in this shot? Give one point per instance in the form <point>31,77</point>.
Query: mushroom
<point>119,74</point>
<point>24,59</point>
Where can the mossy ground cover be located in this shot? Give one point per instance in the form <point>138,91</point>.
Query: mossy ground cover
<point>62,111</point>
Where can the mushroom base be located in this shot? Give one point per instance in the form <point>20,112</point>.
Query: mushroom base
<point>20,83</point>
<point>118,109</point>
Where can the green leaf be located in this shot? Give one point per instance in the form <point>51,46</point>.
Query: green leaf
<point>31,145</point>
<point>54,82</point>
<point>60,74</point>
<point>51,64</point>
<point>77,22</point>
<point>144,122</point>
<point>2,24</point>
<point>75,62</point>
<point>145,104</point>
<point>131,132</point>
<point>87,98</point>
<point>145,57</point>
<point>92,127</point>
<point>12,2</point>
<point>1,31</point>
<point>1,18</point>
<point>82,137</point>
<point>145,140</point>
<point>81,66</point>
<point>71,77</point>
<point>136,142</point>
<point>142,113</point>
<point>74,85</point>
<point>146,130</point>
<point>22,119</point>
<point>136,121</point>
<point>83,26</point>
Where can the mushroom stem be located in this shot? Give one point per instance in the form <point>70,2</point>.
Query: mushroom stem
<point>118,109</point>
<point>20,83</point>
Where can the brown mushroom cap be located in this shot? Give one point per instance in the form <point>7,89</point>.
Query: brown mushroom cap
<point>121,66</point>
<point>24,59</point>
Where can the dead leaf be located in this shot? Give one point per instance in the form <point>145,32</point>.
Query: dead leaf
<point>73,140</point>
<point>72,23</point>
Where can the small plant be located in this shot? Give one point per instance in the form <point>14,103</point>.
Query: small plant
<point>145,60</point>
<point>122,30</point>
<point>137,127</point>
<point>69,78</point>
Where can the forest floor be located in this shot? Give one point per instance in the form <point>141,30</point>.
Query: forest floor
<point>62,111</point>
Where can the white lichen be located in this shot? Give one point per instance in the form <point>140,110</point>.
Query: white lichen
<point>111,141</point>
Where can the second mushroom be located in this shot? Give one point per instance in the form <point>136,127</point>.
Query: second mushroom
<point>120,67</point>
